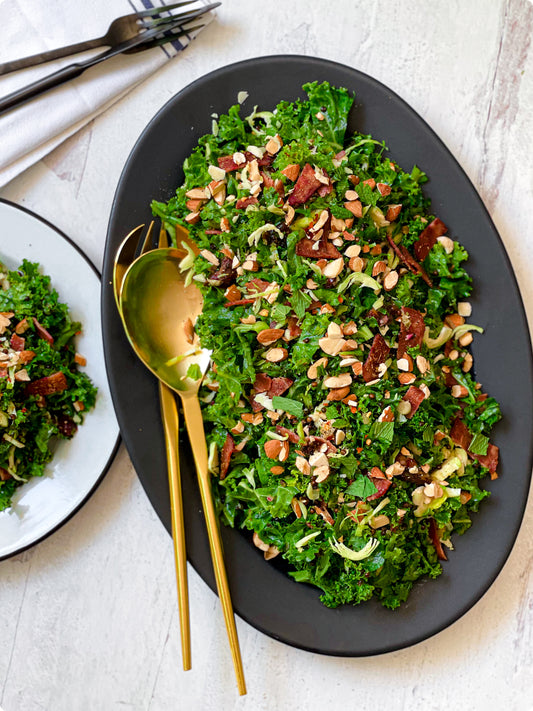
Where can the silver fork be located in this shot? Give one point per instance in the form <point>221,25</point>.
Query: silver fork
<point>160,32</point>
<point>120,30</point>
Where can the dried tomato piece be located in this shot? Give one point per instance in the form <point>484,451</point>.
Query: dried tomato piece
<point>434,535</point>
<point>66,426</point>
<point>293,437</point>
<point>244,202</point>
<point>428,237</point>
<point>224,275</point>
<point>378,354</point>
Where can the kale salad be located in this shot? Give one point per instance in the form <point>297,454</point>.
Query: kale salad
<point>346,431</point>
<point>43,394</point>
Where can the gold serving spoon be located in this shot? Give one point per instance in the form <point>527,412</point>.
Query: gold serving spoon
<point>157,311</point>
<point>169,416</point>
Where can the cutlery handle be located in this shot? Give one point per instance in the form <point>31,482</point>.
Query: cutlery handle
<point>37,87</point>
<point>43,57</point>
<point>195,428</point>
<point>170,418</point>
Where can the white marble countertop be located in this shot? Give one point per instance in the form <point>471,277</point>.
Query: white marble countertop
<point>88,617</point>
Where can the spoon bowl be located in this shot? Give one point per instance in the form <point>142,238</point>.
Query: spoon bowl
<point>158,312</point>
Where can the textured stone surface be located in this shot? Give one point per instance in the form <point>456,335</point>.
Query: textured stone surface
<point>89,618</point>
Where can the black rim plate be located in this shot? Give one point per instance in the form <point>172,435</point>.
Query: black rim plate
<point>262,593</point>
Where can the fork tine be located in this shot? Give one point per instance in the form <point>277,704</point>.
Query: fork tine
<point>170,36</point>
<point>165,8</point>
<point>180,18</point>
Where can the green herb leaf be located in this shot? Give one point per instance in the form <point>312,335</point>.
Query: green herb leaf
<point>293,407</point>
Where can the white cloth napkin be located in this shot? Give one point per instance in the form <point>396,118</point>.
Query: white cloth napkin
<point>30,131</point>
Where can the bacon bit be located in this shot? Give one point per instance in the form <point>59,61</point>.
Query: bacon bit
<point>378,354</point>
<point>415,396</point>
<point>326,250</point>
<point>305,186</point>
<point>81,360</point>
<point>17,342</point>
<point>42,332</point>
<point>409,261</point>
<point>393,212</point>
<point>50,384</point>
<point>257,286</point>
<point>239,302</point>
<point>293,437</point>
<point>4,474</point>
<point>279,386</point>
<point>384,189</point>
<point>427,238</point>
<point>262,382</point>
<point>411,330</point>
<point>224,275</point>
<point>382,486</point>
<point>324,190</point>
<point>225,455</point>
<point>435,539</point>
<point>244,202</point>
<point>461,436</point>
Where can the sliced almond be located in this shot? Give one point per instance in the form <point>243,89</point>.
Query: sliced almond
<point>390,280</point>
<point>197,194</point>
<point>272,448</point>
<point>259,543</point>
<point>269,336</point>
<point>312,371</point>
<point>275,355</point>
<point>422,364</point>
<point>467,363</point>
<point>211,258</point>
<point>356,264</point>
<point>338,381</point>
<point>459,391</point>
<point>447,243</point>
<point>378,268</point>
<point>338,394</point>
<point>352,251</point>
<point>406,378</point>
<point>333,268</point>
<point>332,346</point>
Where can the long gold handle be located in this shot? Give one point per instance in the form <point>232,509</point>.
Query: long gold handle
<point>195,428</point>
<point>169,415</point>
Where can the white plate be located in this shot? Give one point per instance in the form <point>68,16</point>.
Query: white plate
<point>78,465</point>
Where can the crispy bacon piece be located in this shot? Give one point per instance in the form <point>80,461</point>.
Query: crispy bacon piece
<point>434,535</point>
<point>326,249</point>
<point>257,286</point>
<point>411,330</point>
<point>279,386</point>
<point>293,437</point>
<point>225,455</point>
<point>239,302</point>
<point>409,261</point>
<point>415,396</point>
<point>42,332</point>
<point>17,342</point>
<point>305,186</point>
<point>4,474</point>
<point>228,164</point>
<point>428,237</point>
<point>262,382</point>
<point>244,202</point>
<point>324,190</point>
<point>50,384</point>
<point>461,437</point>
<point>382,486</point>
<point>378,354</point>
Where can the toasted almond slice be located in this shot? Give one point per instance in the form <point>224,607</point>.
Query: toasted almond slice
<point>269,335</point>
<point>312,371</point>
<point>275,355</point>
<point>338,381</point>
